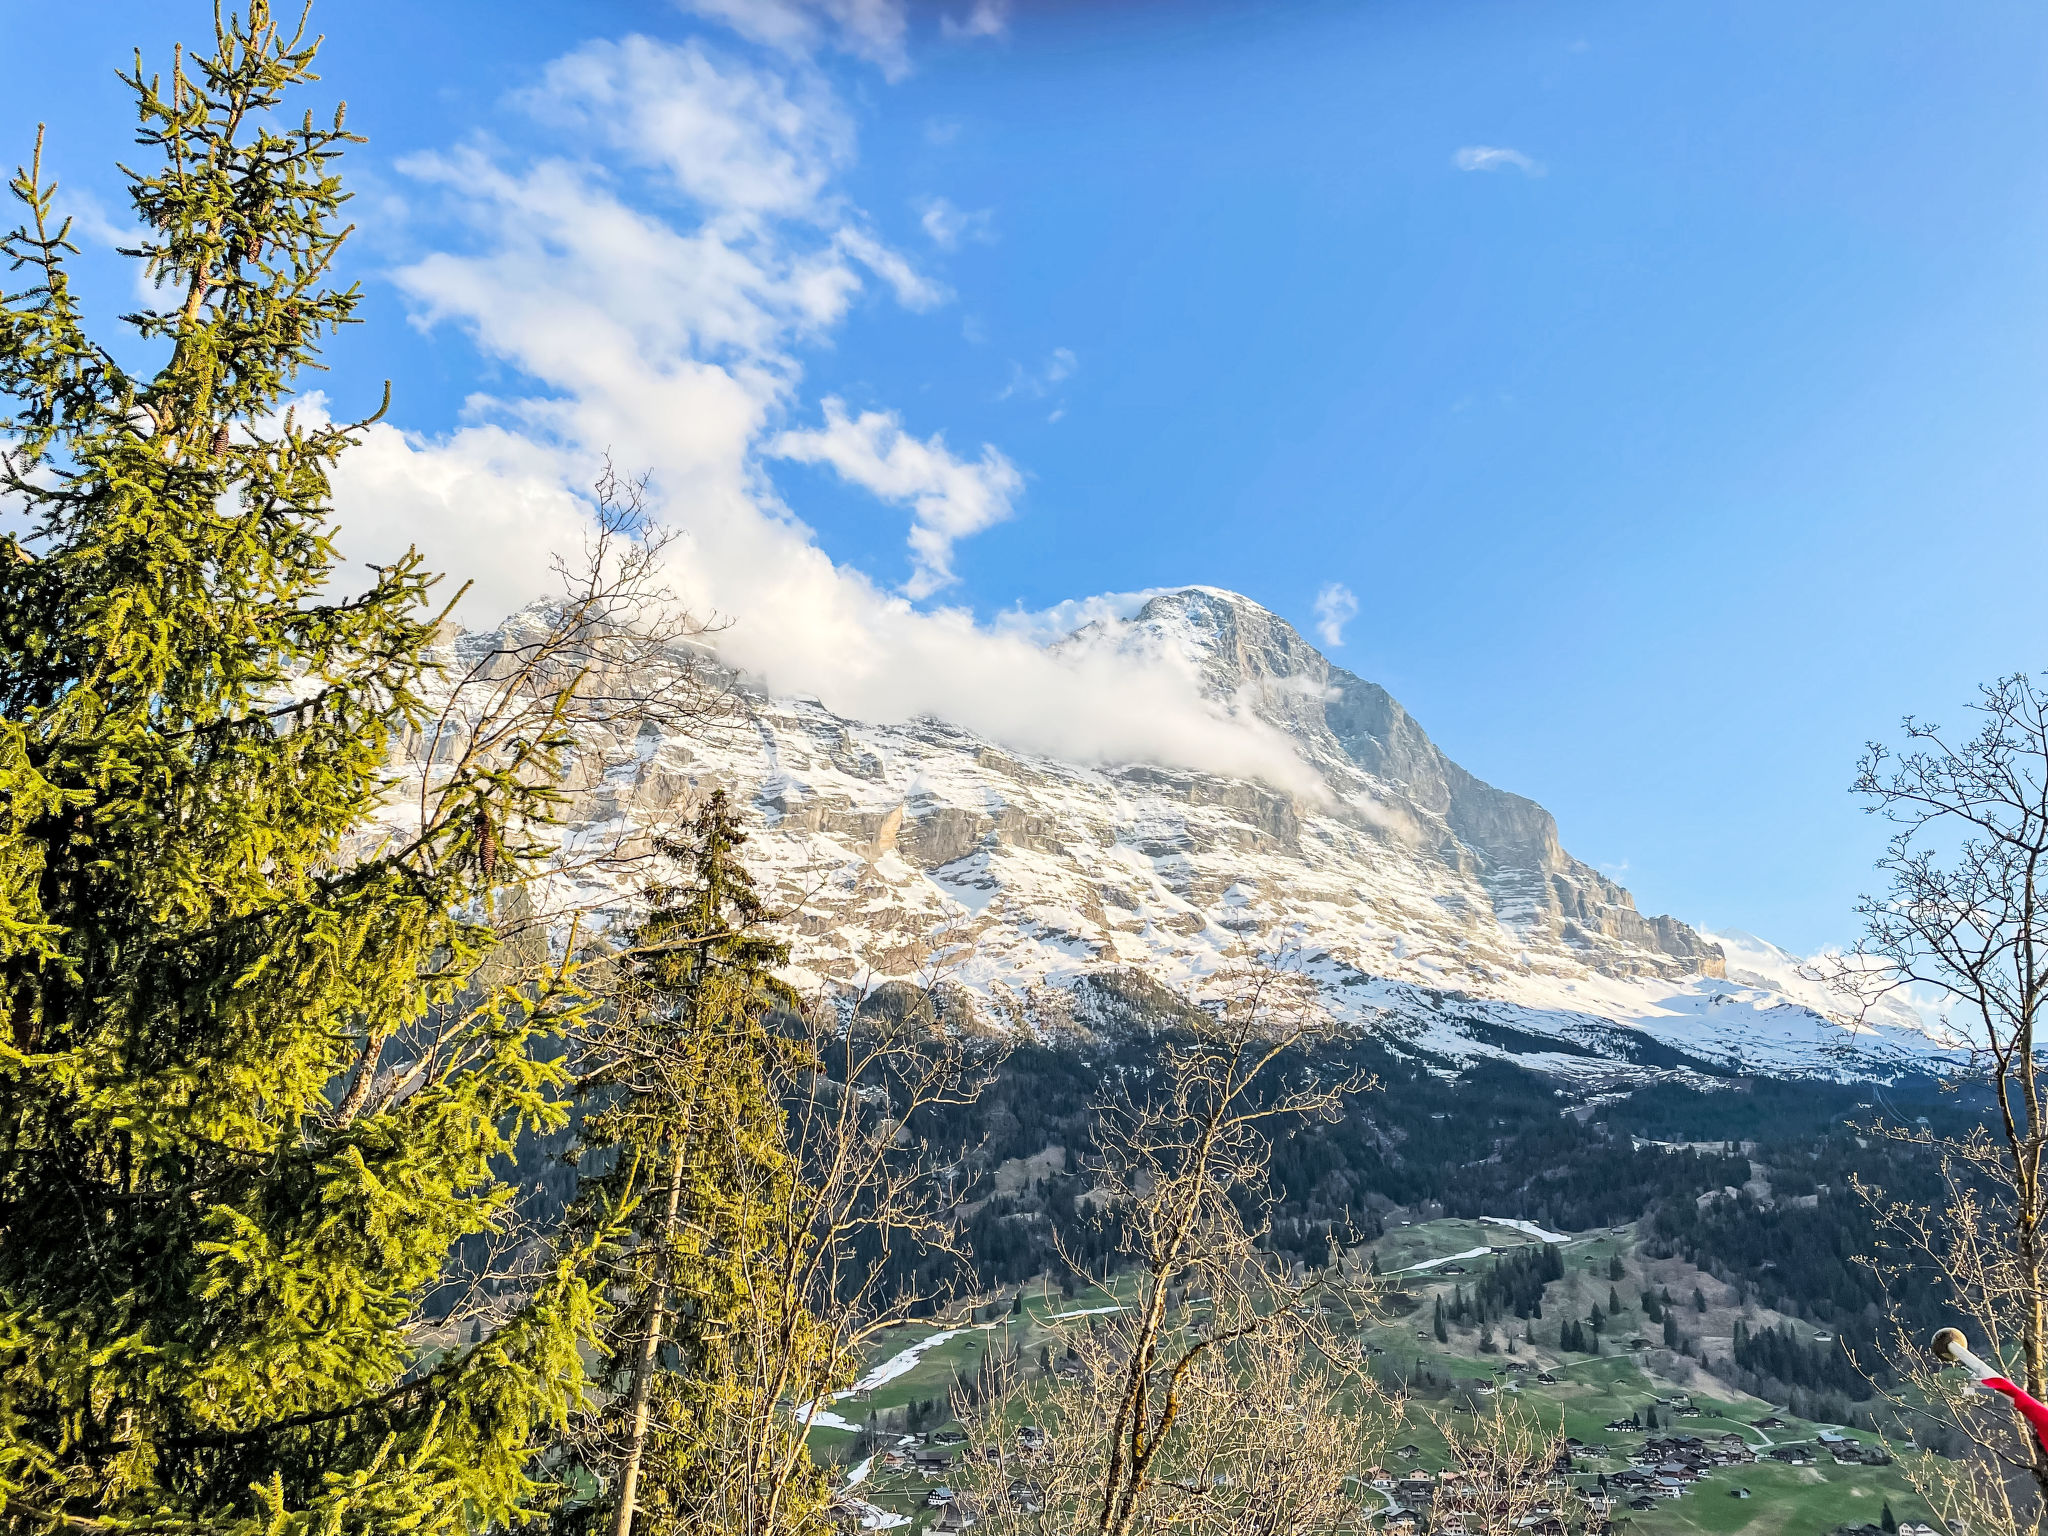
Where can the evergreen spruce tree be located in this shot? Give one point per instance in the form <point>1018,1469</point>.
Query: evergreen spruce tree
<point>1442,1334</point>
<point>214,1234</point>
<point>688,1138</point>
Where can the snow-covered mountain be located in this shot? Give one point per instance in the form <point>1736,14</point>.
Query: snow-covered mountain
<point>1433,909</point>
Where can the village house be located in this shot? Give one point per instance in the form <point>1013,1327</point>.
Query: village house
<point>940,1497</point>
<point>1027,1496</point>
<point>962,1514</point>
<point>848,1513</point>
<point>931,1463</point>
<point>1416,1491</point>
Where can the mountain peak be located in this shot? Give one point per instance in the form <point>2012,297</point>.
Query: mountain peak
<point>1429,906</point>
<point>1230,641</point>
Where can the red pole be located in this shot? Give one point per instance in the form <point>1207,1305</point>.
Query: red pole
<point>1949,1344</point>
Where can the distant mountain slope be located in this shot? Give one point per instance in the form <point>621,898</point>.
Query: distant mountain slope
<point>1436,910</point>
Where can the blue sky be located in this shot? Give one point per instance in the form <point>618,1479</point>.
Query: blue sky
<point>1666,383</point>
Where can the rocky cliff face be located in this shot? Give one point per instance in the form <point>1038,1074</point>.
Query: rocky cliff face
<point>1374,754</point>
<point>1432,907</point>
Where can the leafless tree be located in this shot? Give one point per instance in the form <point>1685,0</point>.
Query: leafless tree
<point>1269,1438</point>
<point>1966,913</point>
<point>1504,1475</point>
<point>555,708</point>
<point>1168,1422</point>
<point>551,706</point>
<point>866,1188</point>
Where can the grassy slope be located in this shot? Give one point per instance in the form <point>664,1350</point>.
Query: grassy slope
<point>1786,1501</point>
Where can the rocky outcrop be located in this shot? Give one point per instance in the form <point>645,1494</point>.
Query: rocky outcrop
<point>1350,728</point>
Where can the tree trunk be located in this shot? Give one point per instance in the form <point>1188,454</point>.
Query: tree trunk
<point>650,1351</point>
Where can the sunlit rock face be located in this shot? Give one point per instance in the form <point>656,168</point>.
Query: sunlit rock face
<point>1431,908</point>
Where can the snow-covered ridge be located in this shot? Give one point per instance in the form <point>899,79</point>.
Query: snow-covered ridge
<point>1432,908</point>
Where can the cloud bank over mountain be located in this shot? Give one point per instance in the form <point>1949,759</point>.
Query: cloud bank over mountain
<point>649,286</point>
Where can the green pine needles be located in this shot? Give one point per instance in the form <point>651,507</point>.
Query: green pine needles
<point>687,1144</point>
<point>251,1085</point>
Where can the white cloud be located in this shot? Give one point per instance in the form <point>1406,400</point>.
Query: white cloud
<point>669,336</point>
<point>948,226</point>
<point>874,30</point>
<point>987,18</point>
<point>740,140</point>
<point>1036,383</point>
<point>951,498</point>
<point>477,505</point>
<point>89,218</point>
<point>1489,157</point>
<point>1336,606</point>
<point>913,289</point>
